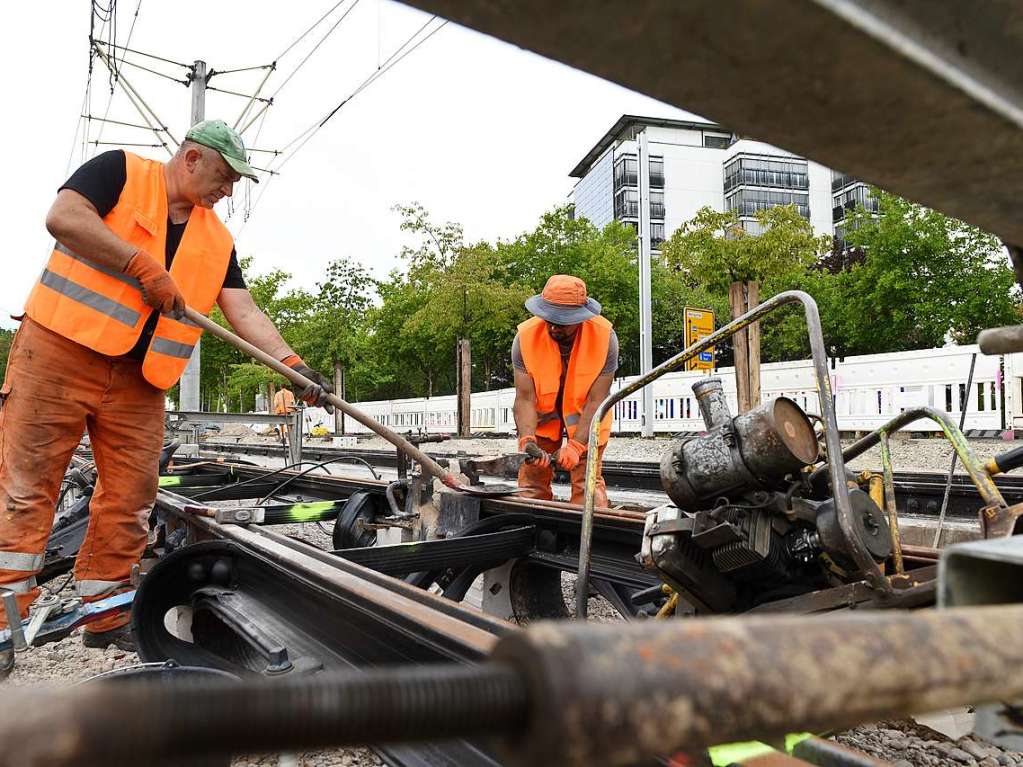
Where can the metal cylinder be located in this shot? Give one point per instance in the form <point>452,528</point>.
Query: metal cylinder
<point>614,695</point>
<point>754,450</point>
<point>710,396</point>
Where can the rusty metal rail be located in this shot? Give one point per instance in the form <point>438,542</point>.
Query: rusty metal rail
<point>835,466</point>
<point>560,693</point>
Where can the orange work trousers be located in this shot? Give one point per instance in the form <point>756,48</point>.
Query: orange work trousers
<point>55,390</point>
<point>536,480</point>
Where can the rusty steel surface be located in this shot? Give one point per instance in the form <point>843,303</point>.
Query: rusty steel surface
<point>934,112</point>
<point>835,467</point>
<point>461,626</point>
<point>618,694</point>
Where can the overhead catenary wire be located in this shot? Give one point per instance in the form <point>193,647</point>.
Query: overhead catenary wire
<point>110,97</point>
<point>395,58</point>
<point>315,24</point>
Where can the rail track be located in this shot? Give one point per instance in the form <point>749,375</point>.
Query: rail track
<point>920,492</point>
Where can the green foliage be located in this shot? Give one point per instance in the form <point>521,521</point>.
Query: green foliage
<point>715,251</point>
<point>6,339</point>
<point>925,277</point>
<point>922,276</point>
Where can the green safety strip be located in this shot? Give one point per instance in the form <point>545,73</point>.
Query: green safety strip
<point>169,481</point>
<point>304,512</point>
<point>733,753</point>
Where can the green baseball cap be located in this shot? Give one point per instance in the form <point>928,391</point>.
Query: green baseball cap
<point>217,135</point>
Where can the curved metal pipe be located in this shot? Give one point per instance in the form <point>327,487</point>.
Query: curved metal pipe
<point>836,468</point>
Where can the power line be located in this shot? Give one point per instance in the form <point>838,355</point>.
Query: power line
<point>110,98</point>
<point>400,53</point>
<point>316,47</point>
<point>314,26</point>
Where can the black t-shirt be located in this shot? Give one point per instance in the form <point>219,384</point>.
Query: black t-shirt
<point>101,181</point>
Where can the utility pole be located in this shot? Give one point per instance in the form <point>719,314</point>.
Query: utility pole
<point>646,347</point>
<point>189,397</point>
<point>339,387</point>
<point>464,388</point>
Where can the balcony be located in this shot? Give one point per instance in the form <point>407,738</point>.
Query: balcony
<point>748,208</point>
<point>657,210</point>
<point>768,178</point>
<point>842,180</point>
<point>626,210</point>
<point>656,180</point>
<point>624,179</point>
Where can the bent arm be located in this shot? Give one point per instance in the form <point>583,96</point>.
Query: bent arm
<point>597,394</point>
<point>75,223</point>
<point>524,408</point>
<point>250,323</point>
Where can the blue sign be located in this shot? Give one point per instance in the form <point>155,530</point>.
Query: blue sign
<point>706,357</point>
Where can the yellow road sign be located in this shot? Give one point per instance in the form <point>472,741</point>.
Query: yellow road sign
<point>699,323</point>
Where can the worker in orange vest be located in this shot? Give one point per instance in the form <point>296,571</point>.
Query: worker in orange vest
<point>564,360</point>
<point>284,404</point>
<point>102,339</point>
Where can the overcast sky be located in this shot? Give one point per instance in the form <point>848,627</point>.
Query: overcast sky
<point>478,131</point>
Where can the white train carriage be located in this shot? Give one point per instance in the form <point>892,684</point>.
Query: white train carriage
<point>868,391</point>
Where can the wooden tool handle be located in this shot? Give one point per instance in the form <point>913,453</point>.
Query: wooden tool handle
<point>429,465</point>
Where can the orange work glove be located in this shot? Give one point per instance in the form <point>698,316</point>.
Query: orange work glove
<point>537,455</point>
<point>570,454</point>
<point>158,288</point>
<point>316,393</point>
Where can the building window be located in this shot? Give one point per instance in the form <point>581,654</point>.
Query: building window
<point>626,204</point>
<point>656,204</point>
<point>857,197</point>
<point>716,142</point>
<point>657,173</point>
<point>656,235</point>
<point>626,171</point>
<point>755,171</point>
<point>746,202</point>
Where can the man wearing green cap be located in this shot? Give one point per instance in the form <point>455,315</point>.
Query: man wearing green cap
<point>102,339</point>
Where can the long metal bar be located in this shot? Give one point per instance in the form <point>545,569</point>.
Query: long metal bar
<point>255,95</point>
<point>236,93</point>
<point>164,75</point>
<point>137,101</point>
<point>888,482</point>
<point>965,404</point>
<point>141,53</point>
<point>198,416</point>
<point>835,466</point>
<point>562,693</point>
<point>119,122</point>
<point>983,481</point>
<point>429,465</point>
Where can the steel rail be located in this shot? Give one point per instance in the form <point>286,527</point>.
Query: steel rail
<point>835,465</point>
<point>564,693</point>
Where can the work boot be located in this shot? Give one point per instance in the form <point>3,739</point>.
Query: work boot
<point>122,638</point>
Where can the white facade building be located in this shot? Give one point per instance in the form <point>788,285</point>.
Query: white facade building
<point>695,164</point>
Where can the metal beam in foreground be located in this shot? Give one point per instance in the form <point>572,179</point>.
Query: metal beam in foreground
<point>922,98</point>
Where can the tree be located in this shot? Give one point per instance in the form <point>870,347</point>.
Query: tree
<point>715,251</point>
<point>925,278</point>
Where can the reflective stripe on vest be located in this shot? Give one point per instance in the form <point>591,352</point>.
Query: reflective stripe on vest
<point>20,587</point>
<point>172,348</point>
<point>94,588</point>
<point>21,561</point>
<point>102,308</point>
<point>90,298</point>
<point>542,359</point>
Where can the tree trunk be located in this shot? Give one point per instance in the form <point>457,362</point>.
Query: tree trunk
<point>740,345</point>
<point>752,302</point>
<point>271,391</point>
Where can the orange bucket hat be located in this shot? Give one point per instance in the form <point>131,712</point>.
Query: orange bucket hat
<point>563,301</point>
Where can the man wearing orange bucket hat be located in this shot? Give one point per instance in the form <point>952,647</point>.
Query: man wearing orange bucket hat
<point>564,359</point>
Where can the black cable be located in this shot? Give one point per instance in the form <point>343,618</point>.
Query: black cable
<point>314,26</point>
<point>252,479</point>
<point>311,131</point>
<point>302,473</point>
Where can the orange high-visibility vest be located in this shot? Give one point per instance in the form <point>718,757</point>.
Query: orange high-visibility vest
<point>102,309</point>
<point>542,359</point>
